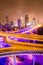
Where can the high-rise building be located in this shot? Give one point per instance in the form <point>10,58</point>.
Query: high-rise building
<point>26,20</point>
<point>33,21</point>
<point>11,23</point>
<point>19,23</point>
<point>6,17</point>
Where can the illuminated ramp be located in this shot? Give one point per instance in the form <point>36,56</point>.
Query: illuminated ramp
<point>23,36</point>
<point>13,42</point>
<point>21,49</point>
<point>30,37</point>
<point>28,29</point>
<point>22,44</point>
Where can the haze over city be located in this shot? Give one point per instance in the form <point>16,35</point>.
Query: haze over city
<point>18,8</point>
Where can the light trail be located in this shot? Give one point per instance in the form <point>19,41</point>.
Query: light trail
<point>24,36</point>
<point>13,43</point>
<point>29,37</point>
<point>29,29</point>
<point>37,26</point>
<point>20,49</point>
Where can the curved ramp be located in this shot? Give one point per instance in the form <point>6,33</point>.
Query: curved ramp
<point>24,36</point>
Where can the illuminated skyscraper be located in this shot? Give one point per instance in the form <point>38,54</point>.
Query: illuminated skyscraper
<point>12,25</point>
<point>33,22</point>
<point>19,23</point>
<point>26,20</point>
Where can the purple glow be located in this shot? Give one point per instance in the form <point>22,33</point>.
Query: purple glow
<point>38,59</point>
<point>24,60</point>
<point>2,43</point>
<point>11,60</point>
<point>3,60</point>
<point>13,38</point>
<point>30,56</point>
<point>25,40</point>
<point>23,30</point>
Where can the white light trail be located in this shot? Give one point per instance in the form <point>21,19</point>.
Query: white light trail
<point>32,29</point>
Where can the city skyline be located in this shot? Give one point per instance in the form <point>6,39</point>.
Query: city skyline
<point>19,8</point>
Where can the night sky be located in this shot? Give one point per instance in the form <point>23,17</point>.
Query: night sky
<point>18,8</point>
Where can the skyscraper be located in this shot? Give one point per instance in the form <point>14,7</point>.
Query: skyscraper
<point>33,21</point>
<point>26,20</point>
<point>6,17</point>
<point>11,23</point>
<point>19,23</point>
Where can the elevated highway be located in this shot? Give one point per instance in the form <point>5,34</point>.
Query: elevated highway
<point>21,47</point>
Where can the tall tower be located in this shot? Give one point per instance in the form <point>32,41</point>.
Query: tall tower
<point>19,23</point>
<point>26,20</point>
<point>6,17</point>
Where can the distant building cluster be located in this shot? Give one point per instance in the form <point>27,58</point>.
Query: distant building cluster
<point>12,26</point>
